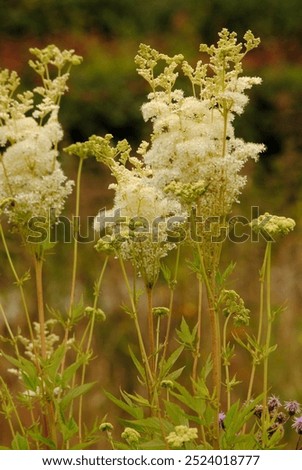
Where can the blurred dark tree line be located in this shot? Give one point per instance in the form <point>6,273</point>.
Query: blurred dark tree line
<point>135,17</point>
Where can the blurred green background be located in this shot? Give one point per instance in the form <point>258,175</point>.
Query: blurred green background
<point>106,95</point>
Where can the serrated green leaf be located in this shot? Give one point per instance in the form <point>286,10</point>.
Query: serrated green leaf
<point>53,363</point>
<point>71,370</point>
<point>175,374</point>
<point>27,369</point>
<point>169,363</point>
<point>137,364</point>
<point>133,410</point>
<point>74,393</point>
<point>222,277</point>
<point>37,437</point>
<point>77,312</point>
<point>150,425</point>
<point>69,429</point>
<point>19,442</point>
<point>185,397</point>
<point>137,399</point>
<point>235,419</point>
<point>275,439</point>
<point>186,337</point>
<point>175,413</point>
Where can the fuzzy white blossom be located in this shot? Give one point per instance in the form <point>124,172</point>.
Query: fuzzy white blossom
<point>138,222</point>
<point>272,225</point>
<point>31,178</point>
<point>192,142</point>
<point>193,137</point>
<point>32,347</point>
<point>193,162</point>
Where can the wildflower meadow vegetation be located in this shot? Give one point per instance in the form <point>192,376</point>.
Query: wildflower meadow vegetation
<point>171,215</point>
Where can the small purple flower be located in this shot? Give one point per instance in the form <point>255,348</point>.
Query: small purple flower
<point>297,425</point>
<point>258,410</point>
<point>273,403</point>
<point>281,418</point>
<point>221,417</point>
<point>292,407</point>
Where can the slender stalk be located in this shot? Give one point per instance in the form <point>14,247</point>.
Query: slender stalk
<point>49,416</point>
<point>148,372</point>
<point>265,414</point>
<point>10,332</point>
<point>75,256</point>
<point>260,324</point>
<point>89,341</point>
<point>40,302</point>
<point>215,339</point>
<point>157,339</point>
<point>75,234</point>
<point>12,408</point>
<point>95,303</point>
<point>216,356</point>
<point>198,342</point>
<point>269,322</point>
<point>151,329</point>
<point>19,284</point>
<point>227,371</point>
<point>171,302</point>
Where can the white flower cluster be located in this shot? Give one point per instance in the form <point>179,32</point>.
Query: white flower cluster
<point>50,338</point>
<point>193,160</point>
<point>137,224</point>
<point>193,141</point>
<point>31,178</point>
<point>273,225</point>
<point>131,435</point>
<point>181,435</point>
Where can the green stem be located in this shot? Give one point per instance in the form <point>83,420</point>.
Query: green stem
<point>171,302</point>
<point>227,371</point>
<point>265,414</point>
<point>14,341</point>
<point>75,234</point>
<point>40,302</point>
<point>151,329</point>
<point>19,283</point>
<point>157,340</point>
<point>48,417</point>
<point>75,257</point>
<point>89,341</point>
<point>269,321</point>
<point>148,372</point>
<point>260,325</point>
<point>198,341</point>
<point>14,409</point>
<point>215,340</point>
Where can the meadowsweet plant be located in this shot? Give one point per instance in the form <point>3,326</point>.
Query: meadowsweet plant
<point>47,356</point>
<point>171,212</point>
